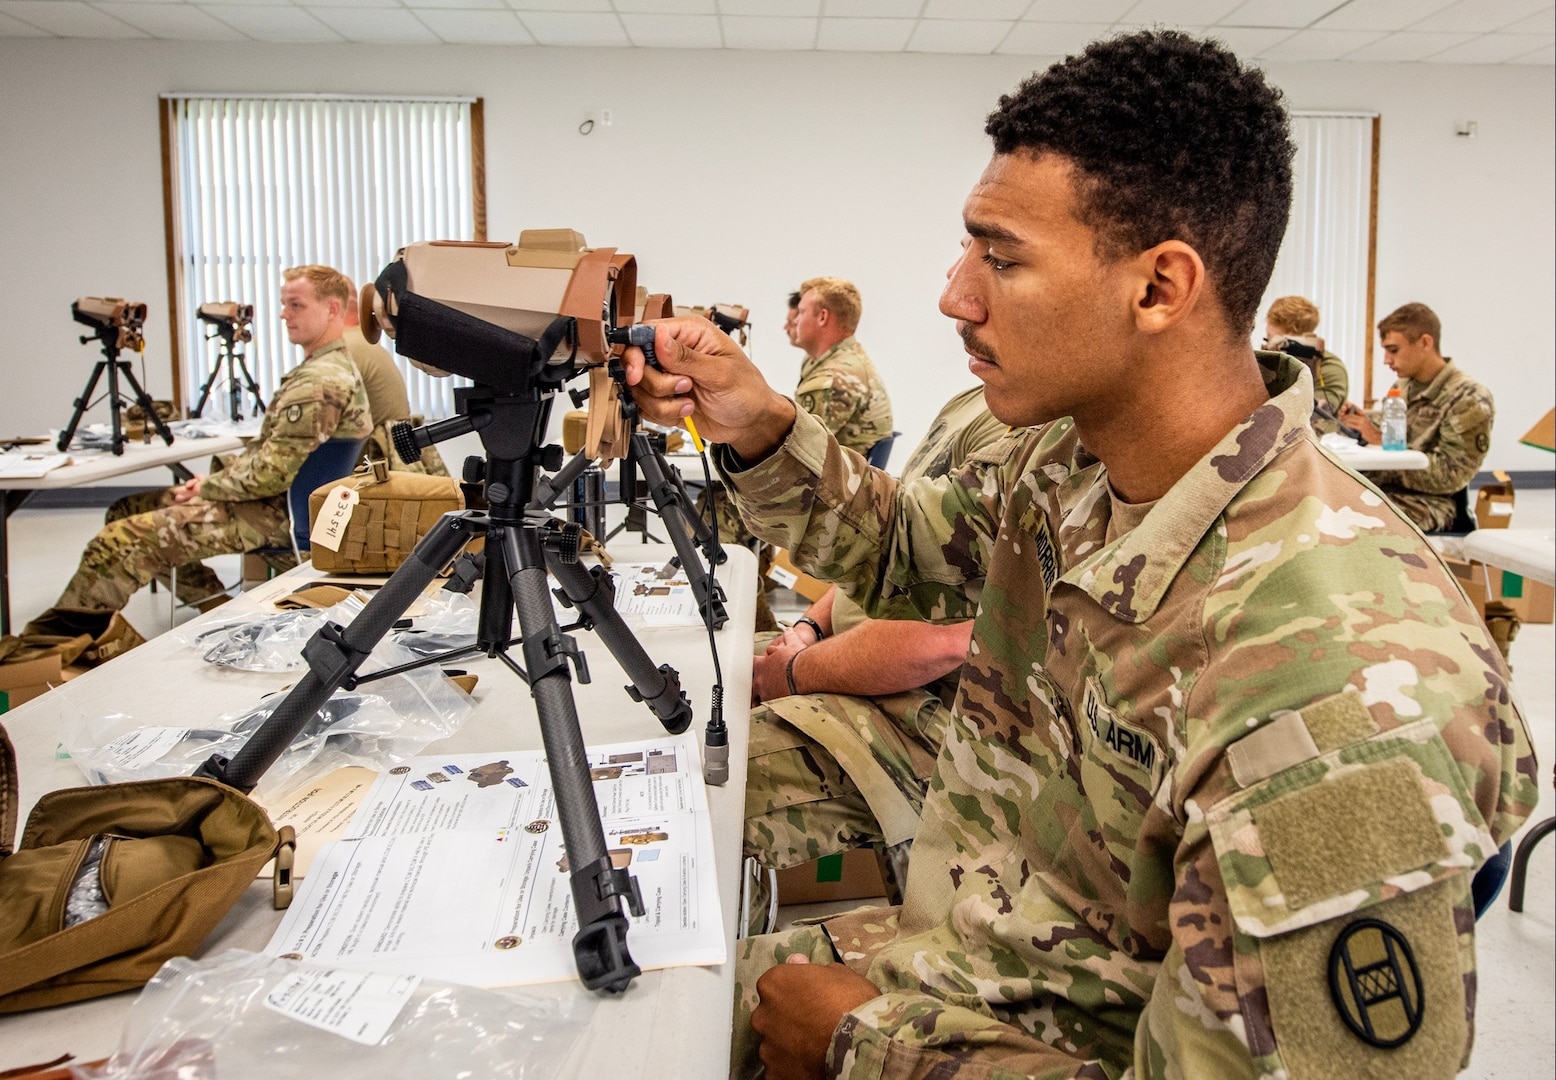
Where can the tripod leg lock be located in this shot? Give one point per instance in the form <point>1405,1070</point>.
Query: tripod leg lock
<point>332,658</point>
<point>600,946</point>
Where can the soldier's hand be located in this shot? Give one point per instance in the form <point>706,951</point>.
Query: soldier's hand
<point>707,377</point>
<point>1353,416</point>
<point>189,489</point>
<point>800,1006</point>
<point>769,672</point>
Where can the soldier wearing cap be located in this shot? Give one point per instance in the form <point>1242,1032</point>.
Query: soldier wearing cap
<point>1206,663</point>
<point>243,506</point>
<point>1448,417</point>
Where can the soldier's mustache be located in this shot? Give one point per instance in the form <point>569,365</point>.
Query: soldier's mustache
<point>976,347</point>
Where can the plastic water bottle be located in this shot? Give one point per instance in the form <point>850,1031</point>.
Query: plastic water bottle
<point>1394,431</point>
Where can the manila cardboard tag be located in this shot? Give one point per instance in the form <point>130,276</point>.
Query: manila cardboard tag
<point>329,529</point>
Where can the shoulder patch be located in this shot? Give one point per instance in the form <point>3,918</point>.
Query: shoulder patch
<point>1375,984</point>
<point>294,413</point>
<point>1482,442</point>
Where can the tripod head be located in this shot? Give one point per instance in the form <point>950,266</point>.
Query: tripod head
<point>114,321</point>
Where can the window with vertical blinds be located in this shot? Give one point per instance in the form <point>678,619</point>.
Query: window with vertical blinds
<point>261,183</point>
<point>1328,250</point>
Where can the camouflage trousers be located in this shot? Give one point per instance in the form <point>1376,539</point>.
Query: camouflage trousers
<point>148,535</point>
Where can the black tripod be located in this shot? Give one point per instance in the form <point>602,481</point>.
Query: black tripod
<point>522,543</point>
<point>109,336</point>
<point>230,356</point>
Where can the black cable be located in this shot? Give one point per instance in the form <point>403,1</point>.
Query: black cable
<point>715,766</point>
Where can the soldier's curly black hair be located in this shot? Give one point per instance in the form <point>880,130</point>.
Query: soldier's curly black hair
<point>1174,139</point>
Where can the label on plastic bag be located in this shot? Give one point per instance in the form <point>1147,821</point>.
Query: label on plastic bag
<point>356,1005</point>
<point>784,577</point>
<point>143,746</point>
<point>330,527</point>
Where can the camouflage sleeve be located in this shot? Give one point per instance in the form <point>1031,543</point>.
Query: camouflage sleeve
<point>833,397</point>
<point>1340,778</point>
<point>1336,381</point>
<point>298,422</point>
<point>1463,438</point>
<point>913,551</point>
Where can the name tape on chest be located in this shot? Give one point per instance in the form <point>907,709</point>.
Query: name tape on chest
<point>1124,740</point>
<point>329,528</point>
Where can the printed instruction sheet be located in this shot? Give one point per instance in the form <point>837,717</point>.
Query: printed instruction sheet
<point>659,593</point>
<point>454,867</point>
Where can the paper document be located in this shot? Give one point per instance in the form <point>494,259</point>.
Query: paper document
<point>455,868</point>
<point>30,464</point>
<point>660,593</point>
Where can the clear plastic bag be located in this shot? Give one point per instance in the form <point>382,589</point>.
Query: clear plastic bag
<point>447,623</point>
<point>251,641</point>
<point>220,1019</point>
<point>379,724</point>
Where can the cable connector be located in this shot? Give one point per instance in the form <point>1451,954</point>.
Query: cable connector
<point>715,753</point>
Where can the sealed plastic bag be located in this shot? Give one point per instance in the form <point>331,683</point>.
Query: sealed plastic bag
<point>254,641</point>
<point>377,725</point>
<point>244,1016</point>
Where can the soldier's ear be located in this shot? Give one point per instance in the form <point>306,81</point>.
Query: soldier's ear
<point>1167,281</point>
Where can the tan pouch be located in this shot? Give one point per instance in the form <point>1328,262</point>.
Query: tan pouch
<point>176,854</point>
<point>394,510</point>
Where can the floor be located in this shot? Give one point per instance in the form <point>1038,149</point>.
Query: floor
<point>1517,952</point>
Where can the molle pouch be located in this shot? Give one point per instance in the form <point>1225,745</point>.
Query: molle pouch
<point>391,512</point>
<point>1347,858</point>
<point>108,883</point>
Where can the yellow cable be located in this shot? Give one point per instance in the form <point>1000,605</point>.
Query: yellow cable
<point>691,429</point>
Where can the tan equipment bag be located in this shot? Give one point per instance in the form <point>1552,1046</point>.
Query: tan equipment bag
<point>176,854</point>
<point>393,511</point>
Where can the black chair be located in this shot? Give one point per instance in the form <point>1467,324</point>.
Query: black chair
<point>880,453</point>
<point>1463,520</point>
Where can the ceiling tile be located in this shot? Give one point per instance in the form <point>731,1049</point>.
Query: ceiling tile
<point>1408,45</point>
<point>768,32</point>
<point>376,26</point>
<point>280,24</point>
<point>69,18</point>
<point>175,22</point>
<point>1292,13</point>
<point>1543,23</point>
<point>1052,39</point>
<point>522,6</point>
<point>1077,11</point>
<point>464,5</point>
<point>314,4</point>
<point>959,35</point>
<point>667,7</point>
<point>975,9</point>
<point>1321,44</point>
<point>1546,55</point>
<point>1379,14</point>
<point>873,9</point>
<point>864,35</point>
<point>673,31</point>
<point>10,27</point>
<point>1248,41</point>
<point>245,3</point>
<point>476,27</point>
<point>770,8</point>
<point>574,28</point>
<point>1180,12</point>
<point>1486,49</point>
<point>1481,15</point>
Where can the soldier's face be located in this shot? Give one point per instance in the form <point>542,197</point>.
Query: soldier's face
<point>1045,321</point>
<point>1404,357</point>
<point>307,317</point>
<point>810,320</point>
<point>788,324</point>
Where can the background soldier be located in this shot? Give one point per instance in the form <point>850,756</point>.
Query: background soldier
<point>387,399</point>
<point>243,506</point>
<point>1206,660</point>
<point>855,708</point>
<point>1295,318</point>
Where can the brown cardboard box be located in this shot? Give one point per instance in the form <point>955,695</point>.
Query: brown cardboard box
<point>850,875</point>
<point>784,573</point>
<point>1494,503</point>
<point>23,682</point>
<point>1534,601</point>
<point>1543,435</point>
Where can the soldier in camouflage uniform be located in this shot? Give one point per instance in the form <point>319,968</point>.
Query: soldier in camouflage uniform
<point>1295,318</point>
<point>844,761</point>
<point>838,384</point>
<point>387,400</point>
<point>1448,417</point>
<point>1230,743</point>
<point>242,506</point>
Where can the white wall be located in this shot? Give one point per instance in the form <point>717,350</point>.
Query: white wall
<point>733,175</point>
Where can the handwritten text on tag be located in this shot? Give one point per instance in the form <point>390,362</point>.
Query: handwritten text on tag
<point>329,529</point>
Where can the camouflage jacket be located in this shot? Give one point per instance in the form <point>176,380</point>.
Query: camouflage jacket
<point>1449,420</point>
<point>842,389</point>
<point>320,399</point>
<point>1180,760</point>
<point>1331,382</point>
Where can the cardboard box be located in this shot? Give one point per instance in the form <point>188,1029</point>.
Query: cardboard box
<point>850,875</point>
<point>1494,503</point>
<point>784,573</point>
<point>1543,435</point>
<point>24,681</point>
<point>1534,601</point>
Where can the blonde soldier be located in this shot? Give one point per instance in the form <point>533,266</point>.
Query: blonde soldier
<point>1208,663</point>
<point>387,400</point>
<point>244,505</point>
<point>855,708</point>
<point>1295,318</point>
<point>1448,417</point>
